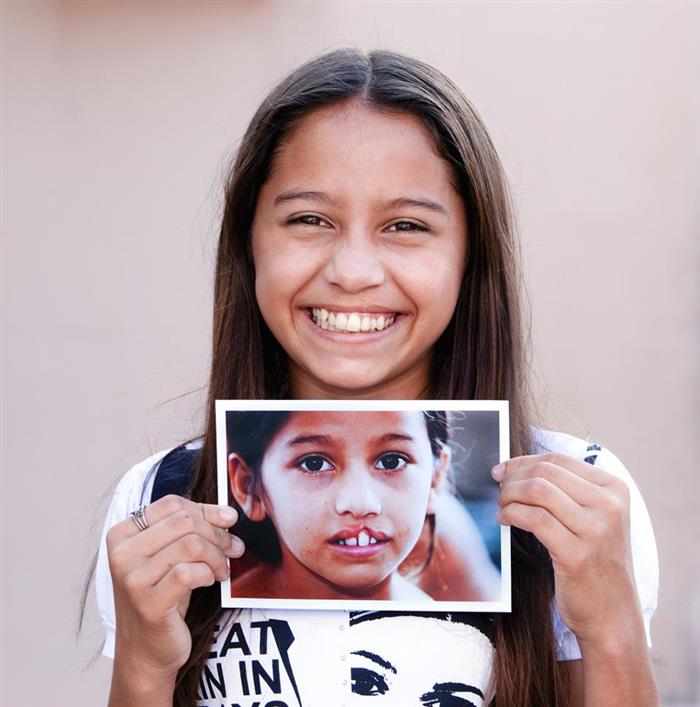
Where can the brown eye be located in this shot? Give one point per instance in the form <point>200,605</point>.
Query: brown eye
<point>314,464</point>
<point>309,220</point>
<point>391,462</point>
<point>406,227</point>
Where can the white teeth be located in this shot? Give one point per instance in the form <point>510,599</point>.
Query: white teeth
<point>351,541</point>
<point>354,322</point>
<point>341,320</point>
<point>372,541</point>
<point>351,322</point>
<point>363,539</point>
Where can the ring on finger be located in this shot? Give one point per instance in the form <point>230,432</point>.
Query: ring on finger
<point>139,518</point>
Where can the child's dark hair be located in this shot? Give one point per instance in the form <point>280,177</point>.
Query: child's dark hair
<point>479,356</point>
<point>250,432</point>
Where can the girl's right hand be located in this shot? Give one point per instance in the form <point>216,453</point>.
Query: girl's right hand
<point>154,572</point>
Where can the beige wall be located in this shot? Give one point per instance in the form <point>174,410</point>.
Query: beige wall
<point>117,120</point>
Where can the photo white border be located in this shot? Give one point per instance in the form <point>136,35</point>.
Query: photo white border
<point>503,605</point>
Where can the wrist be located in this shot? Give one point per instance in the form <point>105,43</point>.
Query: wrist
<point>136,682</point>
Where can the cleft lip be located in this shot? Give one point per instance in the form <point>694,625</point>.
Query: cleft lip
<point>354,532</point>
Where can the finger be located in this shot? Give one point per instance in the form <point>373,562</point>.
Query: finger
<point>188,549</point>
<point>578,468</point>
<point>178,525</point>
<point>541,493</point>
<point>556,537</point>
<point>582,491</point>
<point>179,581</point>
<point>220,516</point>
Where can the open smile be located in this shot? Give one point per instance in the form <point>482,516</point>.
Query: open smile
<point>360,542</point>
<point>351,322</point>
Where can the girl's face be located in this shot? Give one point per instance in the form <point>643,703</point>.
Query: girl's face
<point>386,666</point>
<point>359,244</point>
<point>348,494</point>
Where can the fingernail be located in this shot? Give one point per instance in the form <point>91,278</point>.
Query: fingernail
<point>227,514</point>
<point>498,471</point>
<point>237,547</point>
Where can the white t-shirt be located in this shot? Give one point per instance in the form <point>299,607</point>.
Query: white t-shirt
<point>281,658</point>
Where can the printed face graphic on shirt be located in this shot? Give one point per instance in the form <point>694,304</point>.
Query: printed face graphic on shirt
<point>450,668</point>
<point>348,494</point>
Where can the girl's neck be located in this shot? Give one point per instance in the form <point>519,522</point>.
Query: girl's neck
<point>413,384</point>
<point>283,582</point>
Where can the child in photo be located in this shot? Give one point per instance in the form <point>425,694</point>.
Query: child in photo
<point>333,502</point>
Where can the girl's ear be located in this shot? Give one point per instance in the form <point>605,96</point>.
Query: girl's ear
<point>241,480</point>
<point>437,486</point>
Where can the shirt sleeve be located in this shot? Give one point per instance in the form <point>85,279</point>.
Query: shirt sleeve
<point>644,558</point>
<point>133,490</point>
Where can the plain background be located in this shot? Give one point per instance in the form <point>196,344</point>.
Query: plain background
<point>118,119</point>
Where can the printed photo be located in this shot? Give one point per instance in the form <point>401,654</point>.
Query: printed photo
<point>379,505</point>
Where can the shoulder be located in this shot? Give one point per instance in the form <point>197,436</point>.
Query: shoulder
<point>642,540</point>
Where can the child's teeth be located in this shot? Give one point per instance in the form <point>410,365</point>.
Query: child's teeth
<point>351,541</point>
<point>363,539</point>
<point>372,541</point>
<point>349,322</point>
<point>354,322</point>
<point>341,320</point>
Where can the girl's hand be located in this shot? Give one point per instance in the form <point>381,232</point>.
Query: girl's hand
<point>580,513</point>
<point>154,572</point>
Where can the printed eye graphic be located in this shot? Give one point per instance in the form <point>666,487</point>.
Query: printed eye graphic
<point>367,682</point>
<point>314,464</point>
<point>391,461</point>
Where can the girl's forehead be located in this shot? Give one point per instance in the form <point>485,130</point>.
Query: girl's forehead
<point>338,148</point>
<point>355,423</point>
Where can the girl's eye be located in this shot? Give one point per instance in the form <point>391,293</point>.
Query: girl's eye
<point>391,461</point>
<point>314,464</point>
<point>406,227</point>
<point>367,682</point>
<point>309,220</point>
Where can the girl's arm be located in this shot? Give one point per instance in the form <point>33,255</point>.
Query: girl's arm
<point>153,574</point>
<point>581,514</point>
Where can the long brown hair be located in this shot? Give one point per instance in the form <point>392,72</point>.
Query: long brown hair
<point>481,354</point>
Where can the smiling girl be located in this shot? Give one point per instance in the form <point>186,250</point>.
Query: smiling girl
<point>367,251</point>
<point>347,494</point>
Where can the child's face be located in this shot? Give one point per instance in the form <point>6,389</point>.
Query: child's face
<point>359,244</point>
<point>348,493</point>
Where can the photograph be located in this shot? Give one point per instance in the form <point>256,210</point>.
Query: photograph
<point>375,505</point>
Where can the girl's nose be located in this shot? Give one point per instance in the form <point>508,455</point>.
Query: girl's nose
<point>354,264</point>
<point>356,495</point>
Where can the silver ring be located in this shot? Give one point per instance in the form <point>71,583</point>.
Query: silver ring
<point>139,517</point>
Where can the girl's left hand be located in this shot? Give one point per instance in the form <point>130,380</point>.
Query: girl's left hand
<point>580,513</point>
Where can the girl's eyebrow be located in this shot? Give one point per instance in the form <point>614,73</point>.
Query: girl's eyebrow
<point>316,439</point>
<point>322,197</point>
<point>394,437</point>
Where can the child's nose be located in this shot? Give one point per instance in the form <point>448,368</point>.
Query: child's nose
<point>354,264</point>
<point>356,494</point>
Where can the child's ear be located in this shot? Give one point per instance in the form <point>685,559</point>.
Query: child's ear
<point>241,480</point>
<point>437,486</point>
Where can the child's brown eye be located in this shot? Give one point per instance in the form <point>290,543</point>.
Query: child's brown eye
<point>309,220</point>
<point>391,462</point>
<point>315,464</point>
<point>406,226</point>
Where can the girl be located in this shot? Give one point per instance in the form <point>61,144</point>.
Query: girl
<point>367,186</point>
<point>345,495</point>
